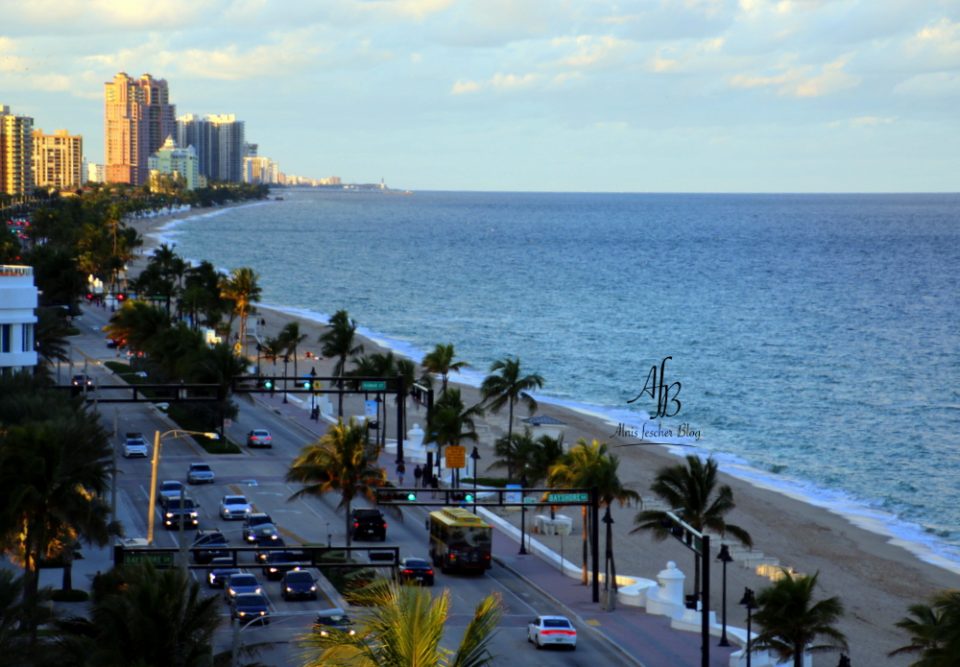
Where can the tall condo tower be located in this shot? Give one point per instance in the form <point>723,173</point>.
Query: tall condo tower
<point>16,153</point>
<point>138,118</point>
<point>57,159</point>
<point>219,142</point>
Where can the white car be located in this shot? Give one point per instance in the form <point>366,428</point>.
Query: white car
<point>552,631</point>
<point>135,445</point>
<point>200,473</point>
<point>259,437</point>
<point>234,507</point>
<point>169,488</point>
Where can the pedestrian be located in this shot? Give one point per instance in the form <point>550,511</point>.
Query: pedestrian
<point>401,469</point>
<point>417,474</point>
<point>434,484</point>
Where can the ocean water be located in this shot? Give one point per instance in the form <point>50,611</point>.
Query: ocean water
<point>816,338</point>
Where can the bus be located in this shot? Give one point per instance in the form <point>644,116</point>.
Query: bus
<point>459,540</point>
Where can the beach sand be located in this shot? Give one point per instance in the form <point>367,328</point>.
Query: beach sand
<point>875,579</point>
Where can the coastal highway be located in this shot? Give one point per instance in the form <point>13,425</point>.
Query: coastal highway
<point>259,474</point>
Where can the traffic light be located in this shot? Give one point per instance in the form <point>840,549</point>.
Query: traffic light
<point>89,296</point>
<point>121,296</point>
<point>268,384</point>
<point>411,497</point>
<point>468,498</point>
<point>305,383</point>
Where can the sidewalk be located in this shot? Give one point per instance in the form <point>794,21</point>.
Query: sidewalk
<point>643,639</point>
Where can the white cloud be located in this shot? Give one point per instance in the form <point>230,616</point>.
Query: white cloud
<point>415,9</point>
<point>593,51</point>
<point>940,39</point>
<point>931,84</point>
<point>465,87</point>
<point>864,121</point>
<point>802,81</point>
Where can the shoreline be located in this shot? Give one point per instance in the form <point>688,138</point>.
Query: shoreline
<point>876,572</point>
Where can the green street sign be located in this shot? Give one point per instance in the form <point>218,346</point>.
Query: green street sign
<point>568,498</point>
<point>373,385</point>
<point>160,559</point>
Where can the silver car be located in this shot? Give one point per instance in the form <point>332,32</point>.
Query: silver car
<point>200,473</point>
<point>234,507</point>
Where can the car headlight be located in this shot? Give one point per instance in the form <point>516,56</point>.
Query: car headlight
<point>324,633</point>
<point>289,590</point>
<point>351,632</point>
<point>193,515</point>
<point>263,613</point>
<point>168,515</point>
<point>313,588</point>
<point>258,590</point>
<point>241,613</point>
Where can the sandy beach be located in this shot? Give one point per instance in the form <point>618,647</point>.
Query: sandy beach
<point>876,580</point>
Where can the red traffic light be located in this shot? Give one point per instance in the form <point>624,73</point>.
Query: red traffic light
<point>121,296</point>
<point>89,296</point>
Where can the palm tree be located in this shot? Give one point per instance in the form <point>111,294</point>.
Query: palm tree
<point>150,617</point>
<point>14,621</point>
<point>242,287</point>
<point>54,473</point>
<point>136,324</point>
<point>404,627</point>
<point>790,621</point>
<point>339,461</point>
<point>588,466</point>
<point>692,493</point>
<point>506,386</point>
<point>440,361</point>
<point>291,338</point>
<point>51,333</point>
<point>934,630</point>
<point>452,422</point>
<point>338,341</point>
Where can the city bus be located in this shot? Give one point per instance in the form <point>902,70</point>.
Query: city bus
<point>459,540</point>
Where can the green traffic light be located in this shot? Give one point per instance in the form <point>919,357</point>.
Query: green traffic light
<point>268,384</point>
<point>411,496</point>
<point>469,498</point>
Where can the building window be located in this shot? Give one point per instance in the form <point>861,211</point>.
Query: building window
<point>26,338</point>
<point>5,335</point>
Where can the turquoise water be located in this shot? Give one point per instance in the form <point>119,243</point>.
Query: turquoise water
<point>815,337</point>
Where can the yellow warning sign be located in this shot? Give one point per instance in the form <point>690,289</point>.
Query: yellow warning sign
<point>456,456</point>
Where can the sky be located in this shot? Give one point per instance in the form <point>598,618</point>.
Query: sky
<point>529,95</point>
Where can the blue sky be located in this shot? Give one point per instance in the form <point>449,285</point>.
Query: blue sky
<point>553,95</point>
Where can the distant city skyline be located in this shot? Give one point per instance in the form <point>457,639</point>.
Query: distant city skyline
<point>539,95</point>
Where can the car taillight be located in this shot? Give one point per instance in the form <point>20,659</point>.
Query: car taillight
<point>384,525</point>
<point>429,571</point>
<point>452,557</point>
<point>356,524</point>
<point>408,571</point>
<point>571,633</point>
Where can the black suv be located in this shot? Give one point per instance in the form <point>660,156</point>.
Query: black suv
<point>173,511</point>
<point>209,544</point>
<point>369,523</point>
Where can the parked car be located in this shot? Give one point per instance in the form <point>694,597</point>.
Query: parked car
<point>416,571</point>
<point>252,521</point>
<point>234,507</point>
<point>200,473</point>
<point>328,623</point>
<point>259,437</point>
<point>239,584</point>
<point>552,631</point>
<point>169,488</point>
<point>278,563</point>
<point>135,445</point>
<point>368,523</point>
<point>298,585</point>
<point>209,544</point>
<point>177,510</point>
<point>248,607</point>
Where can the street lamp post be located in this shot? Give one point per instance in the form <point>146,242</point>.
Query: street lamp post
<point>154,468</point>
<point>475,455</point>
<point>750,602</point>
<point>313,394</point>
<point>724,557</point>
<point>523,516</point>
<point>286,360</point>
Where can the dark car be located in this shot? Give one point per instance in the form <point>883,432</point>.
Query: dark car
<point>298,585</point>
<point>218,577</point>
<point>81,383</point>
<point>248,607</point>
<point>328,623</point>
<point>261,556</point>
<point>265,534</point>
<point>209,544</point>
<point>177,509</point>
<point>368,523</point>
<point>278,563</point>
<point>252,521</point>
<point>416,571</point>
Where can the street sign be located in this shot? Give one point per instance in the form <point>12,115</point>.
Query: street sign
<point>456,456</point>
<point>568,498</point>
<point>159,559</point>
<point>373,385</point>
<point>317,385</point>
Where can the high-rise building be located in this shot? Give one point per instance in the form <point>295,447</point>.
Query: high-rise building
<point>16,177</point>
<point>260,170</point>
<point>175,162</point>
<point>57,159</point>
<point>18,302</point>
<point>138,118</point>
<point>218,140</point>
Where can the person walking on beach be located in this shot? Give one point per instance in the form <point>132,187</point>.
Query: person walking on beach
<point>417,474</point>
<point>401,469</point>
